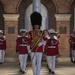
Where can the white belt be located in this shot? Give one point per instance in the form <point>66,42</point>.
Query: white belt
<point>51,47</point>
<point>22,45</point>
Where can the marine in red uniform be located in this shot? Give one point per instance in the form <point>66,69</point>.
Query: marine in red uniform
<point>2,46</point>
<point>72,45</point>
<point>70,40</point>
<point>37,42</point>
<point>22,44</point>
<point>51,51</point>
<point>71,48</point>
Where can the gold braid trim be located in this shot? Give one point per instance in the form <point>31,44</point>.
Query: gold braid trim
<point>36,40</point>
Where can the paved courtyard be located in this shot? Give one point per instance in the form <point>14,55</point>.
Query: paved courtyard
<point>62,68</point>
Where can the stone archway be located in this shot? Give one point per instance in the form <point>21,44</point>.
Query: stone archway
<point>21,10</point>
<point>1,16</point>
<point>52,11</point>
<point>44,14</point>
<point>47,3</point>
<point>54,1</point>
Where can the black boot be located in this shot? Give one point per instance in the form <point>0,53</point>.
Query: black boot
<point>20,70</point>
<point>52,72</point>
<point>1,62</point>
<point>23,72</point>
<point>49,70</point>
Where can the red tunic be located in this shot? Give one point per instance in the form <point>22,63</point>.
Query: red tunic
<point>73,41</point>
<point>2,43</point>
<point>21,45</point>
<point>51,47</point>
<point>70,40</point>
<point>32,34</point>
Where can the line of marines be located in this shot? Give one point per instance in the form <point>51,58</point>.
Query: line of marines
<point>35,43</point>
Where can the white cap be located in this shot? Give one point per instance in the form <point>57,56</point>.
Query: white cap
<point>23,30</point>
<point>55,38</point>
<point>1,32</point>
<point>52,31</point>
<point>18,36</point>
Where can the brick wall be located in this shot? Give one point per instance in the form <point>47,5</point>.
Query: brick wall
<point>64,48</point>
<point>11,38</point>
<point>19,6</point>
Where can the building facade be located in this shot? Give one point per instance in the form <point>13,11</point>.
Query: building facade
<point>59,16</point>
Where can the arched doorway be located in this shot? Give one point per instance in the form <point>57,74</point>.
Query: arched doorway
<point>48,4</point>
<point>44,14</point>
<point>1,16</point>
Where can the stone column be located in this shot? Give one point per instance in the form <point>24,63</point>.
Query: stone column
<point>37,5</point>
<point>63,29</point>
<point>11,32</point>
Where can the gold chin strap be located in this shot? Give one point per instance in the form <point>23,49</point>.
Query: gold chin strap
<point>36,40</point>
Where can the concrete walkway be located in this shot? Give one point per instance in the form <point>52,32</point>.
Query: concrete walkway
<point>62,68</point>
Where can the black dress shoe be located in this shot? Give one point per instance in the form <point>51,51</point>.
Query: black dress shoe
<point>23,72</point>
<point>73,61</point>
<point>1,62</point>
<point>19,63</point>
<point>52,72</point>
<point>20,70</point>
<point>49,70</point>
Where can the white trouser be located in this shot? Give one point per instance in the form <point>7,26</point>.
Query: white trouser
<point>73,55</point>
<point>23,60</point>
<point>51,62</point>
<point>2,54</point>
<point>36,62</point>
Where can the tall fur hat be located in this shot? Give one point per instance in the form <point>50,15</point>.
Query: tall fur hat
<point>36,18</point>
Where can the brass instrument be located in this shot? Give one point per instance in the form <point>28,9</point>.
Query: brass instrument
<point>37,39</point>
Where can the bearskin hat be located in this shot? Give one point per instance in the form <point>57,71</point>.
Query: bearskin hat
<point>36,18</point>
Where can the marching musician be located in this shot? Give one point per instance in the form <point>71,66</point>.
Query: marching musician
<point>51,50</point>
<point>22,44</point>
<point>37,42</point>
<point>72,46</point>
<point>2,46</point>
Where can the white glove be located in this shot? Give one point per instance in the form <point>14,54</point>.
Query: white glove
<point>44,43</point>
<point>28,48</point>
<point>40,44</point>
<point>29,51</point>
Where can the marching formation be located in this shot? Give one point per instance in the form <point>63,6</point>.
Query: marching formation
<point>35,43</point>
